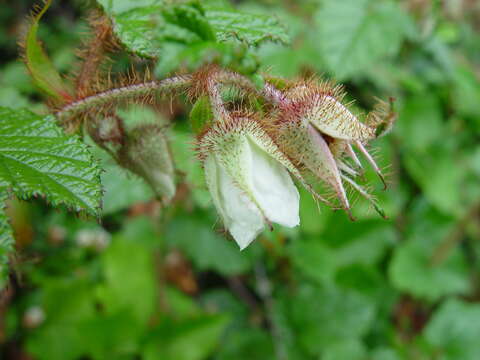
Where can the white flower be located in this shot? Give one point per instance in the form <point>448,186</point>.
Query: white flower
<point>250,187</point>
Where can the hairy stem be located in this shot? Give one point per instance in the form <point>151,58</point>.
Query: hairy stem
<point>123,93</point>
<point>268,92</point>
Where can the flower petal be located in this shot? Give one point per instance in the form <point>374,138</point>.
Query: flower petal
<point>240,216</point>
<point>273,188</point>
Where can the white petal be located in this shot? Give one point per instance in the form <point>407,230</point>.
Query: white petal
<point>211,177</point>
<point>240,216</point>
<point>273,189</point>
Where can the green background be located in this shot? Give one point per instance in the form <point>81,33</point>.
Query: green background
<point>148,282</point>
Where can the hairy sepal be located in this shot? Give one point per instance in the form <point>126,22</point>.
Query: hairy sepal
<point>311,151</point>
<point>146,153</point>
<point>331,117</point>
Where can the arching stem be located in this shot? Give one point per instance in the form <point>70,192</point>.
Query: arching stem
<point>123,93</point>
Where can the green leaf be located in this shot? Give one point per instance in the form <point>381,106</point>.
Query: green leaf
<point>441,186</point>
<point>39,65</point>
<point>365,280</point>
<point>323,315</point>
<point>413,269</point>
<point>11,97</point>
<point>385,353</point>
<point>107,336</point>
<point>129,271</point>
<point>152,28</point>
<point>113,7</point>
<point>466,92</point>
<point>231,55</point>
<point>429,152</point>
<point>420,123</point>
<point>6,239</point>
<point>146,27</point>
<point>208,251</point>
<point>356,33</point>
<point>37,158</point>
<point>66,303</point>
<point>314,259</point>
<point>368,247</point>
<point>252,29</point>
<point>248,343</point>
<point>454,331</point>
<point>193,339</point>
<point>352,349</point>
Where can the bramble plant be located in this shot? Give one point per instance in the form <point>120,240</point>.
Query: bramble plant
<point>144,141</point>
<point>255,133</point>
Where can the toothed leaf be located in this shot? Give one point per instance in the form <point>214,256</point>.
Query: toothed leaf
<point>6,239</point>
<point>354,34</point>
<point>252,29</point>
<point>146,27</point>
<point>44,74</point>
<point>37,158</point>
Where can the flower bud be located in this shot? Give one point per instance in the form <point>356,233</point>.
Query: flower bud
<point>248,179</point>
<point>146,153</point>
<point>316,131</point>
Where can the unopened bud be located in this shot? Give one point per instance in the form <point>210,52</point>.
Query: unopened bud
<point>147,154</point>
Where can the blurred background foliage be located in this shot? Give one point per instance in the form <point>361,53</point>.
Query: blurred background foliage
<point>164,283</point>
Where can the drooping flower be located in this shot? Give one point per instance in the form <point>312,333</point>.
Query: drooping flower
<point>247,178</point>
<point>301,129</point>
